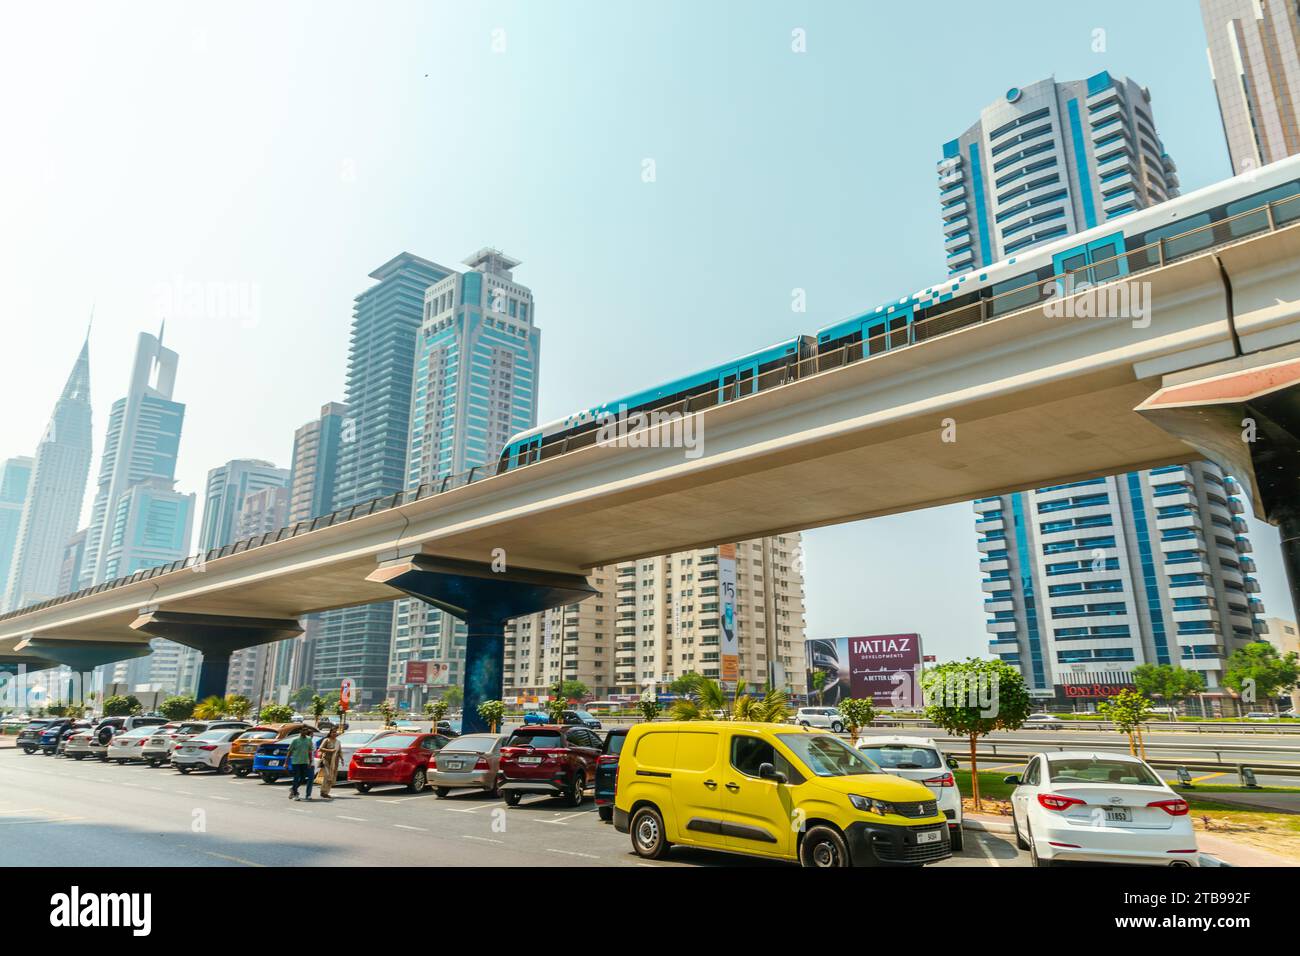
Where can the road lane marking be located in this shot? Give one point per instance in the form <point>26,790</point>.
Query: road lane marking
<point>467,836</point>
<point>354,819</point>
<point>1209,776</point>
<point>587,856</point>
<point>403,826</point>
<point>984,849</point>
<point>462,809</point>
<point>213,796</point>
<point>232,859</point>
<point>377,800</point>
<point>1010,766</point>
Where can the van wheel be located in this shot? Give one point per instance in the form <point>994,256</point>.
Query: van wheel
<point>823,847</point>
<point>648,838</point>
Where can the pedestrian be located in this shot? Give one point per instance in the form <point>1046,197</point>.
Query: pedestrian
<point>329,762</point>
<point>300,762</point>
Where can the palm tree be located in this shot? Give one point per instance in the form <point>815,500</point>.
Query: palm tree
<point>769,709</point>
<point>709,697</point>
<point>819,685</point>
<point>210,708</point>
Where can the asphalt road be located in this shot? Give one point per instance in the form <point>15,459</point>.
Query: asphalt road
<point>59,812</point>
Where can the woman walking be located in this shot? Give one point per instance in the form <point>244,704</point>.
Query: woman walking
<point>329,762</point>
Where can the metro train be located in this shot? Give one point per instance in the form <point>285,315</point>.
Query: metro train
<point>1166,232</point>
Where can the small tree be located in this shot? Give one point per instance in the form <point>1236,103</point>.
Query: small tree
<point>1128,710</point>
<point>687,685</point>
<point>819,687</point>
<point>177,708</point>
<point>436,710</point>
<point>857,713</point>
<point>493,712</point>
<point>120,705</point>
<point>237,706</point>
<point>276,714</point>
<point>1169,683</point>
<point>210,708</point>
<point>648,708</point>
<point>1258,672</point>
<point>573,690</point>
<point>455,697</point>
<point>388,711</point>
<point>302,696</point>
<point>557,705</point>
<point>972,698</point>
<point>318,707</point>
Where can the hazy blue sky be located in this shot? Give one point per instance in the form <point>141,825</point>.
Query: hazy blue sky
<point>287,149</point>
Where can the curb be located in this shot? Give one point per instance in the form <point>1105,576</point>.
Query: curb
<point>985,825</point>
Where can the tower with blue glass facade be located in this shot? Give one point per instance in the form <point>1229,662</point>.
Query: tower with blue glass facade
<point>475,385</point>
<point>1086,580</point>
<point>15,476</point>
<point>386,319</point>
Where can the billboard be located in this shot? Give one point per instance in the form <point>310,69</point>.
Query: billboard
<point>882,668</point>
<point>428,673</point>
<point>729,646</point>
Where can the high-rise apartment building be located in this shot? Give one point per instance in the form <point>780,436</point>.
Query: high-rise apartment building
<point>228,487</point>
<point>1089,579</point>
<point>1254,51</point>
<point>57,485</point>
<point>475,385</point>
<point>386,319</point>
<point>1048,160</point>
<point>74,555</point>
<point>15,476</point>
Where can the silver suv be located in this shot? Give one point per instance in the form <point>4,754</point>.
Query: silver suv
<point>827,718</point>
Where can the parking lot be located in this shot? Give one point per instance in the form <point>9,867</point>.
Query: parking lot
<point>59,812</point>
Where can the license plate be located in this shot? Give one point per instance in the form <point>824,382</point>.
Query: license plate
<point>1118,815</point>
<point>455,766</point>
<point>274,763</point>
<point>930,836</point>
<point>373,760</point>
<point>530,760</point>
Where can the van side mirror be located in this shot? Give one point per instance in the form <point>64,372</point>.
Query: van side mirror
<point>1012,779</point>
<point>769,772</point>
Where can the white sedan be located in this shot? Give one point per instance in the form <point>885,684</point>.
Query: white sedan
<point>206,751</point>
<point>1099,808</point>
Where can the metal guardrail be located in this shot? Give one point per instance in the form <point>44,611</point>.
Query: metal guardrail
<point>1270,217</point>
<point>1277,769</point>
<point>1260,727</point>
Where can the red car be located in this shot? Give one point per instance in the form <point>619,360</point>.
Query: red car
<point>554,759</point>
<point>399,757</point>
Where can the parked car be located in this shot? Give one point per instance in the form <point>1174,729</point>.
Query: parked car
<point>1261,715</point>
<point>96,741</point>
<point>349,741</point>
<point>736,786</point>
<point>56,741</point>
<point>48,741</point>
<point>920,759</point>
<point>827,718</point>
<point>128,746</point>
<point>470,761</point>
<point>29,738</point>
<point>580,717</point>
<point>1043,721</point>
<point>1097,808</point>
<point>536,717</point>
<point>209,750</point>
<point>558,760</point>
<point>160,748</point>
<point>448,728</point>
<point>607,772</point>
<point>271,761</point>
<point>244,749</point>
<point>395,758</point>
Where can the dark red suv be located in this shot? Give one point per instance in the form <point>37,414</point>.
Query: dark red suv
<point>553,759</point>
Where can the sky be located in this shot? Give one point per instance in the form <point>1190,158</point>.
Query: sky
<point>268,157</point>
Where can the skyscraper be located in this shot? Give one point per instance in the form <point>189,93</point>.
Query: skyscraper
<point>1088,579</point>
<point>1254,51</point>
<point>138,519</point>
<point>1048,160</point>
<point>227,488</point>
<point>15,476</point>
<point>57,485</point>
<point>475,385</point>
<point>386,317</point>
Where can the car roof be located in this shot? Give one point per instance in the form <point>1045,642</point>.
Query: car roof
<point>897,739</point>
<point>1089,755</point>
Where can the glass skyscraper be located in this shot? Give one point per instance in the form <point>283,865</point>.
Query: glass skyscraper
<point>60,468</point>
<point>1087,580</point>
<point>228,487</point>
<point>15,476</point>
<point>386,318</point>
<point>475,385</point>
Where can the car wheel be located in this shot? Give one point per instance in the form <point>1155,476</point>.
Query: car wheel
<point>269,777</point>
<point>224,766</point>
<point>1021,842</point>
<point>577,792</point>
<point>29,750</point>
<point>955,838</point>
<point>442,792</point>
<point>121,763</point>
<point>495,790</point>
<point>648,838</point>
<point>606,814</point>
<point>823,847</point>
<point>241,771</point>
<point>419,780</point>
<point>513,797</point>
<point>1034,858</point>
<point>803,723</point>
<point>78,756</point>
<point>184,768</point>
<point>155,763</point>
<point>837,727</point>
<point>363,788</point>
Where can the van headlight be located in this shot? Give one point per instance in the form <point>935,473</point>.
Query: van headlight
<point>868,805</point>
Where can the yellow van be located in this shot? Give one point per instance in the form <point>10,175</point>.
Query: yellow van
<point>771,790</point>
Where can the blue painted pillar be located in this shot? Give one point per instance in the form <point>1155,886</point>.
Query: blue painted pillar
<point>484,654</point>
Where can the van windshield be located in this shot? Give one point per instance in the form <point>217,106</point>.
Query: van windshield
<point>828,756</point>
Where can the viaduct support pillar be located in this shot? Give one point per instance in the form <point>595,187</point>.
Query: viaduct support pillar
<point>484,599</point>
<point>216,637</point>
<point>81,657</point>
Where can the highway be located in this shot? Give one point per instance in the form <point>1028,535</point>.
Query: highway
<point>58,812</point>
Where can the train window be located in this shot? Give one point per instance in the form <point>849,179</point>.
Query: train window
<point>1258,221</point>
<point>1177,241</point>
<point>1013,294</point>
<point>898,331</point>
